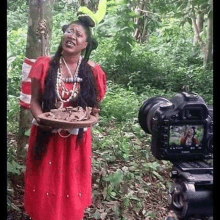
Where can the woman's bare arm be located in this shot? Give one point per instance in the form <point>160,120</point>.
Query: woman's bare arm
<point>35,105</point>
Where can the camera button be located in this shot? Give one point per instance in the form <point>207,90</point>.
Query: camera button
<point>164,136</point>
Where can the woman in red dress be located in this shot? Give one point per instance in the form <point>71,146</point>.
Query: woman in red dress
<point>58,165</point>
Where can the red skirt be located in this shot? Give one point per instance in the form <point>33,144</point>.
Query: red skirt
<point>58,187</point>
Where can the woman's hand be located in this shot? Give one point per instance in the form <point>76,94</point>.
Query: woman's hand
<point>42,126</point>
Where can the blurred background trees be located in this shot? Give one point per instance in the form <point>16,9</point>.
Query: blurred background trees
<point>147,48</point>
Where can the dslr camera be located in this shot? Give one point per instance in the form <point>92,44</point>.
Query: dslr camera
<point>182,128</point>
<point>182,132</point>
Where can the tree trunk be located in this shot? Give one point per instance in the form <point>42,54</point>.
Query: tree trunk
<point>39,34</point>
<point>206,46</point>
<point>93,5</point>
<point>25,118</point>
<point>208,55</point>
<point>83,2</point>
<point>144,32</point>
<point>34,41</point>
<point>139,21</point>
<point>199,23</point>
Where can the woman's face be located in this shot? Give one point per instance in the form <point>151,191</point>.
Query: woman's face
<point>190,132</point>
<point>74,39</point>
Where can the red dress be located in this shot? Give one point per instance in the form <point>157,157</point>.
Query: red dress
<point>58,187</point>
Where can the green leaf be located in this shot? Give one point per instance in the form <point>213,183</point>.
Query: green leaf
<point>157,175</point>
<point>27,132</point>
<point>96,215</point>
<point>189,20</point>
<point>14,167</point>
<point>126,202</point>
<point>112,194</point>
<point>114,178</point>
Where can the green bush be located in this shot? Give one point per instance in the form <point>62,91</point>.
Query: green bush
<point>164,64</point>
<point>16,45</point>
<point>119,103</point>
<point>12,114</point>
<point>125,173</point>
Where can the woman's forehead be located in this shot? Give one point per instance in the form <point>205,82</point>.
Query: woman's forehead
<point>77,27</point>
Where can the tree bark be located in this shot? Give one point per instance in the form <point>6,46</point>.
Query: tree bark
<point>37,34</point>
<point>34,41</point>
<point>93,5</point>
<point>144,32</point>
<point>25,118</point>
<point>199,23</point>
<point>206,46</point>
<point>83,2</point>
<point>139,21</point>
<point>208,55</point>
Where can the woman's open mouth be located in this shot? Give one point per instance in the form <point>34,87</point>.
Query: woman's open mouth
<point>70,43</point>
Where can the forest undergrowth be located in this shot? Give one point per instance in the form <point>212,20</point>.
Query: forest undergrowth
<point>128,182</point>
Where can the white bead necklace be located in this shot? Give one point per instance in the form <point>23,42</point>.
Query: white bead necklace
<point>74,79</point>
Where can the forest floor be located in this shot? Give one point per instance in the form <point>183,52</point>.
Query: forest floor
<point>120,189</point>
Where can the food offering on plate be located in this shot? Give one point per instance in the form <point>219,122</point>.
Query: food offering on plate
<point>70,114</point>
<point>69,117</point>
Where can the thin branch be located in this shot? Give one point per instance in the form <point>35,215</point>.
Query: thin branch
<point>197,29</point>
<point>147,12</point>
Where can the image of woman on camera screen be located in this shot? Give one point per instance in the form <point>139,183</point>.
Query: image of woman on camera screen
<point>189,139</point>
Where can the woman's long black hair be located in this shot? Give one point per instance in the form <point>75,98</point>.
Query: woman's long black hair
<point>87,94</point>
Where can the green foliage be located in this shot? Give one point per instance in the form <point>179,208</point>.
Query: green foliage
<point>118,25</point>
<point>123,36</point>
<point>17,14</point>
<point>119,104</point>
<point>169,62</point>
<point>65,6</point>
<point>16,44</point>
<point>128,183</point>
<point>14,168</point>
<point>12,113</point>
<point>123,160</point>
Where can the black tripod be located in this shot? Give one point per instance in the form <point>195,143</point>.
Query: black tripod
<point>190,196</point>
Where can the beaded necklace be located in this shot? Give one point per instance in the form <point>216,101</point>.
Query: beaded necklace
<point>72,79</point>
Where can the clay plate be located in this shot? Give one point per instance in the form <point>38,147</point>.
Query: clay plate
<point>57,123</point>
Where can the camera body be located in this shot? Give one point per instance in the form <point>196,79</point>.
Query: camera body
<point>182,132</point>
<point>182,128</point>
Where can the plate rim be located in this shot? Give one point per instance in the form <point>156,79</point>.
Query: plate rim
<point>67,124</point>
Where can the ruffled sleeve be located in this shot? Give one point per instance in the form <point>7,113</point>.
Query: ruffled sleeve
<point>39,71</point>
<point>100,77</point>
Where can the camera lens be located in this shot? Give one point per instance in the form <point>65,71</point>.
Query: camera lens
<point>148,110</point>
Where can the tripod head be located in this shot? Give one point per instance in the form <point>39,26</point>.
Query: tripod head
<point>191,193</point>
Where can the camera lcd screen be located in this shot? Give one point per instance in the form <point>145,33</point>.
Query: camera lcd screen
<point>186,135</point>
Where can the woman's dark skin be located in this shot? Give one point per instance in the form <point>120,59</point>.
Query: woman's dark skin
<point>74,41</point>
